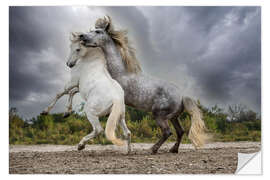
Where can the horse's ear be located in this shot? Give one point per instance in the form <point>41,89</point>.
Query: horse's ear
<point>108,22</point>
<point>104,23</point>
<point>72,36</point>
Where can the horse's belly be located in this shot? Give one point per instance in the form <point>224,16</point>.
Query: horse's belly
<point>99,103</point>
<point>140,101</point>
<point>146,93</point>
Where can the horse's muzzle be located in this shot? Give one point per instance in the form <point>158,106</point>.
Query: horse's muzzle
<point>70,65</point>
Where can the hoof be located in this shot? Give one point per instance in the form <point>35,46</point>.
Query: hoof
<point>129,150</point>
<point>44,113</point>
<point>154,150</point>
<point>66,114</point>
<point>81,147</point>
<point>173,150</point>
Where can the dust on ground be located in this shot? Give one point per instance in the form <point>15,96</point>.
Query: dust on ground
<point>214,158</point>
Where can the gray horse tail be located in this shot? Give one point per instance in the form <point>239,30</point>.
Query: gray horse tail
<point>115,115</point>
<point>197,133</point>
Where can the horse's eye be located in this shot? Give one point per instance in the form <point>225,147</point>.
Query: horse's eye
<point>78,50</point>
<point>98,32</point>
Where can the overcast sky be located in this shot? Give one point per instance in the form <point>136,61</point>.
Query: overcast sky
<point>212,53</point>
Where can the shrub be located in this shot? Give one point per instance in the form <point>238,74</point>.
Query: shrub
<point>55,129</point>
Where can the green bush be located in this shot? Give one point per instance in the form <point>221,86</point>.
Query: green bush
<point>54,129</point>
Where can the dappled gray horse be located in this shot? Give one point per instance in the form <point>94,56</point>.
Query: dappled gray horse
<point>143,92</point>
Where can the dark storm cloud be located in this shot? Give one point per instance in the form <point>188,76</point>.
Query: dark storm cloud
<point>219,48</point>
<point>235,63</point>
<point>38,50</point>
<point>28,33</point>
<point>212,53</point>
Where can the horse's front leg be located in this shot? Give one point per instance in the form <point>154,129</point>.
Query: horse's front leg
<point>58,96</point>
<point>72,92</point>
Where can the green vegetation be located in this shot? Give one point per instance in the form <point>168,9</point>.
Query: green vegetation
<point>54,129</point>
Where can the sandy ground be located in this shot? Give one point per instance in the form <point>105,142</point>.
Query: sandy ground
<point>214,158</point>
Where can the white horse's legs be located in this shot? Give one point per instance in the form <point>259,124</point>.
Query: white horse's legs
<point>126,131</point>
<point>58,96</point>
<point>67,89</point>
<point>72,92</point>
<point>97,128</point>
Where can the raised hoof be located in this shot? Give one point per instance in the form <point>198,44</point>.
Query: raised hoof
<point>66,114</point>
<point>81,147</point>
<point>173,150</point>
<point>44,113</point>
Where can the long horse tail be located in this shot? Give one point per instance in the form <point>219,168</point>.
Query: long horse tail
<point>197,133</point>
<point>115,115</point>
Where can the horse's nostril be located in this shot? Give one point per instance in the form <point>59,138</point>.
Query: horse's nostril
<point>82,37</point>
<point>71,65</point>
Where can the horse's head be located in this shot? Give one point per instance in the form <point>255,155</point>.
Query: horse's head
<point>95,38</point>
<point>105,33</point>
<point>99,36</point>
<point>77,50</point>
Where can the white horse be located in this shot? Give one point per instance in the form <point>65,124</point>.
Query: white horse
<point>102,94</point>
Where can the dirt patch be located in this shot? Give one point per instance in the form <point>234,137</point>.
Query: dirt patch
<point>109,159</point>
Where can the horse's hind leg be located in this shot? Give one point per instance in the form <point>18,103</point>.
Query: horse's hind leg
<point>97,128</point>
<point>126,131</point>
<point>69,105</point>
<point>179,131</point>
<point>166,133</point>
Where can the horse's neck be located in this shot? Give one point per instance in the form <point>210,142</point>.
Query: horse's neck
<point>90,62</point>
<point>114,60</point>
